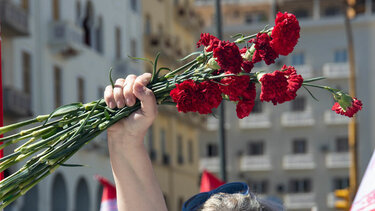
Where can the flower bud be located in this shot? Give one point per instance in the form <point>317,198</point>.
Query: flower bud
<point>212,63</point>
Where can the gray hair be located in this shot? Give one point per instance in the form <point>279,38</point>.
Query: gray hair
<point>238,202</point>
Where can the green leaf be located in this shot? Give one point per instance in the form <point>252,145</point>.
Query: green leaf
<point>62,110</point>
<point>107,117</point>
<point>154,72</point>
<point>72,165</point>
<point>110,78</point>
<point>142,59</point>
<point>310,93</point>
<point>190,55</point>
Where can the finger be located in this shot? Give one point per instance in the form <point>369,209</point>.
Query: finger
<point>145,95</point>
<point>108,97</point>
<point>117,93</point>
<point>128,90</point>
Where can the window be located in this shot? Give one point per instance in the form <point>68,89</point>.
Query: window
<point>298,104</point>
<point>118,43</point>
<point>56,10</point>
<point>133,47</point>
<point>299,146</point>
<point>300,186</point>
<point>342,144</point>
<point>81,89</point>
<point>180,156</point>
<point>332,11</point>
<point>133,4</point>
<point>163,147</point>
<point>190,151</point>
<point>57,79</point>
<point>87,24</point>
<point>82,196</point>
<point>26,69</point>
<point>340,183</point>
<point>99,35</point>
<point>301,13</point>
<point>298,59</point>
<point>257,107</point>
<point>148,24</point>
<point>59,194</point>
<point>259,187</point>
<point>212,150</point>
<point>249,18</point>
<point>255,148</point>
<point>341,56</point>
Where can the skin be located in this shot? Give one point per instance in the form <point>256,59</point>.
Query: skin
<point>136,183</point>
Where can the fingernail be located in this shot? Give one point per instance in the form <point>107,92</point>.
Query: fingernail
<point>128,102</point>
<point>120,104</point>
<point>111,105</point>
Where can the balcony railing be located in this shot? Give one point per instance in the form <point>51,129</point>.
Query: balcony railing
<point>305,70</point>
<point>65,38</point>
<point>297,119</point>
<point>336,70</point>
<point>299,200</point>
<point>298,161</point>
<point>14,19</point>
<point>255,163</point>
<point>255,121</point>
<point>16,103</point>
<point>338,160</point>
<point>332,118</point>
<point>210,164</point>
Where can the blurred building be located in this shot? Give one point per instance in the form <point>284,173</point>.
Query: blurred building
<point>172,28</point>
<point>57,52</point>
<point>297,152</point>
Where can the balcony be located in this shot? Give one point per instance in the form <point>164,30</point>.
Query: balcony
<point>211,164</point>
<point>338,160</point>
<point>65,38</point>
<point>336,70</point>
<point>14,19</point>
<point>332,118</point>
<point>297,119</point>
<point>298,162</point>
<point>299,201</point>
<point>255,163</point>
<point>305,70</point>
<point>16,103</point>
<point>255,121</point>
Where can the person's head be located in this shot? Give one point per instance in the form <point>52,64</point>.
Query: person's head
<point>229,197</point>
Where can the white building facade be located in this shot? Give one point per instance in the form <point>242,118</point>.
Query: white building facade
<point>57,52</point>
<point>297,152</point>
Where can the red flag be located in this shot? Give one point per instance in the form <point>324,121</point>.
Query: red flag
<point>209,182</point>
<point>109,201</point>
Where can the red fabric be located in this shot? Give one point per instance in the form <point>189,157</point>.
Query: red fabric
<point>209,182</point>
<point>109,190</point>
<point>1,106</point>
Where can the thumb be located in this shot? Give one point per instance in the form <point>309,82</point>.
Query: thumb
<point>145,95</point>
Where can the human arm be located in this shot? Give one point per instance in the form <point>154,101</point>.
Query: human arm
<point>136,183</point>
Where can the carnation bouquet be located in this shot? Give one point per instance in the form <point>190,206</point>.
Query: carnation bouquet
<point>221,71</point>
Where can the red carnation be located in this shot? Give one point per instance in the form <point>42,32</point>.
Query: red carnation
<point>184,96</point>
<point>279,86</point>
<point>246,104</point>
<point>192,97</point>
<point>209,41</point>
<point>243,51</point>
<point>247,66</point>
<point>234,86</point>
<point>210,97</point>
<point>285,33</point>
<point>350,110</point>
<point>228,56</point>
<point>263,49</point>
